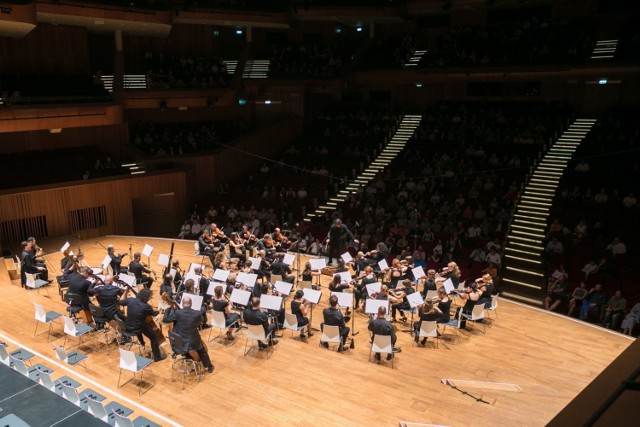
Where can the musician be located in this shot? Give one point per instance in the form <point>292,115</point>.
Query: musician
<point>402,302</point>
<point>237,248</point>
<point>116,261</point>
<point>333,317</point>
<point>429,312</point>
<point>265,265</point>
<point>254,316</point>
<point>79,288</point>
<point>396,273</point>
<point>138,311</point>
<point>360,292</point>
<point>203,285</point>
<point>218,237</point>
<point>166,287</point>
<point>73,264</point>
<point>487,289</point>
<point>267,246</point>
<point>361,263</point>
<point>205,245</point>
<point>28,263</point>
<point>452,271</point>
<point>336,284</point>
<point>337,239</point>
<point>300,307</point>
<point>279,268</point>
<point>307,275</point>
<point>221,261</point>
<point>471,295</point>
<point>138,268</point>
<point>381,326</point>
<point>108,295</point>
<point>444,305</point>
<point>220,303</point>
<point>429,282</point>
<point>250,240</point>
<point>185,324</point>
<point>177,279</point>
<point>37,252</point>
<point>279,239</point>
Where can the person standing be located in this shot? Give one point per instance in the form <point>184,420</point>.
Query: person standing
<point>338,238</point>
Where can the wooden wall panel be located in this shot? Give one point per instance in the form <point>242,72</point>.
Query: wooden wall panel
<point>115,195</point>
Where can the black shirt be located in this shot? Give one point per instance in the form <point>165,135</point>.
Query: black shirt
<point>256,317</point>
<point>79,285</point>
<point>380,326</point>
<point>137,269</point>
<point>333,317</point>
<point>108,296</point>
<point>185,324</point>
<point>137,312</point>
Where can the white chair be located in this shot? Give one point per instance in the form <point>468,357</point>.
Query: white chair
<point>32,372</point>
<point>46,317</point>
<point>129,361</point>
<point>73,358</point>
<point>454,324</point>
<point>476,314</point>
<point>331,334</point>
<point>32,282</point>
<point>74,330</point>
<point>106,413</point>
<point>494,306</point>
<point>123,421</point>
<point>291,323</point>
<point>276,278</point>
<point>19,366</point>
<point>4,356</point>
<point>19,354</point>
<point>196,248</point>
<point>80,399</point>
<point>218,321</point>
<point>382,345</point>
<point>427,330</point>
<point>256,333</point>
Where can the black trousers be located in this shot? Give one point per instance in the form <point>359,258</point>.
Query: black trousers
<point>155,345</point>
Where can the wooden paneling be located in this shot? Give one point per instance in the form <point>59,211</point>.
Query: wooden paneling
<point>17,119</point>
<point>116,195</point>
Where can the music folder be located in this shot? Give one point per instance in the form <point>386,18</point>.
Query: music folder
<point>383,264</point>
<point>129,280</point>
<point>64,247</point>
<point>312,295</point>
<point>270,302</point>
<point>106,261</point>
<point>283,287</point>
<point>163,260</point>
<point>247,279</point>
<point>318,263</point>
<point>240,297</point>
<point>255,263</point>
<point>372,305</point>
<point>211,290</point>
<point>345,276</point>
<point>418,272</point>
<point>415,299</point>
<point>96,270</point>
<point>346,257</point>
<point>373,288</point>
<point>344,299</point>
<point>193,267</point>
<point>448,286</point>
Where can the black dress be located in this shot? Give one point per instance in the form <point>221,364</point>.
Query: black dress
<point>295,309</point>
<point>229,318</point>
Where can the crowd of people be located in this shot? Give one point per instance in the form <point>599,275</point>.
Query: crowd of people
<point>306,60</point>
<point>184,71</point>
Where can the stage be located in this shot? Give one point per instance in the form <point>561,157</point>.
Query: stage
<point>525,369</point>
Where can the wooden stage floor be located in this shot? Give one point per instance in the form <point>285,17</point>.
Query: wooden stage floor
<point>550,358</point>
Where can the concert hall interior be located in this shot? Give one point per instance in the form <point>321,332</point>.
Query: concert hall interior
<point>327,212</point>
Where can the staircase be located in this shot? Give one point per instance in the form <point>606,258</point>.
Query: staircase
<point>136,168</point>
<point>256,69</point>
<point>524,273</point>
<point>232,65</point>
<point>405,131</point>
<point>415,59</point>
<point>604,49</point>
<point>131,81</point>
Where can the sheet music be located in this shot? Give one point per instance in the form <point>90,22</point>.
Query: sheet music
<point>418,272</point>
<point>193,267</point>
<point>448,286</point>
<point>255,263</point>
<point>211,290</point>
<point>346,257</point>
<point>194,277</point>
<point>131,281</point>
<point>64,247</point>
<point>247,279</point>
<point>270,302</point>
<point>196,301</point>
<point>318,263</point>
<point>312,295</point>
<point>383,264</point>
<point>371,306</point>
<point>344,299</point>
<point>106,261</point>
<point>96,270</point>
<point>163,260</point>
<point>146,251</point>
<point>373,288</point>
<point>288,259</point>
<point>283,287</point>
<point>415,299</point>
<point>240,297</point>
<point>221,275</point>
<point>345,276</point>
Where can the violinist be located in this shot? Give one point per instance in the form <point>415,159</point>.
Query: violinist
<point>206,246</point>
<point>365,278</point>
<point>307,274</point>
<point>218,236</point>
<point>429,282</point>
<point>265,265</point>
<point>337,285</point>
<point>221,303</point>
<point>402,303</point>
<point>279,268</point>
<point>237,248</point>
<point>37,252</point>
<point>429,312</point>
<point>471,295</point>
<point>267,246</point>
<point>177,278</point>
<point>78,289</point>
<point>221,261</point>
<point>396,273</point>
<point>166,288</point>
<point>116,260</point>
<point>139,270</point>
<point>186,322</point>
<point>486,286</point>
<point>28,264</point>
<point>279,239</point>
<point>73,265</point>
<point>361,263</point>
<point>108,295</point>
<point>249,239</point>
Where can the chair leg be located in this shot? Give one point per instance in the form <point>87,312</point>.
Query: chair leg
<point>34,332</point>
<point>119,373</point>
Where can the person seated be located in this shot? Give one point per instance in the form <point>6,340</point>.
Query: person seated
<point>381,326</point>
<point>614,310</point>
<point>138,268</point>
<point>333,317</point>
<point>254,316</point>
<point>221,304</point>
<point>279,268</point>
<point>429,283</point>
<point>577,296</point>
<point>336,285</point>
<point>631,320</point>
<point>185,324</point>
<point>593,302</point>
<point>487,288</point>
<point>556,293</point>
<point>400,296</point>
<point>300,308</point>
<point>429,312</point>
<point>444,305</point>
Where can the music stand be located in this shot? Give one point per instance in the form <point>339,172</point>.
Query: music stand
<point>313,296</point>
<point>415,300</point>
